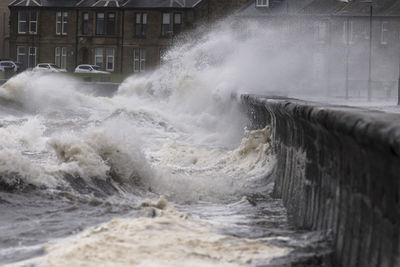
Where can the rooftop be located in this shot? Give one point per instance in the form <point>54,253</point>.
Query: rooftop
<point>107,3</point>
<point>323,7</point>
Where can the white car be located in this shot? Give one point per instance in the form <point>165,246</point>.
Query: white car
<point>48,67</point>
<point>86,68</point>
<point>8,66</point>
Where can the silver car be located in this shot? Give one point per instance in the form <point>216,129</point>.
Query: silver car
<point>8,66</point>
<point>86,68</point>
<point>48,67</point>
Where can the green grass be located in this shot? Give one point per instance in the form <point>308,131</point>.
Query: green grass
<point>4,75</point>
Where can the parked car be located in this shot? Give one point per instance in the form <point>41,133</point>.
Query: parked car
<point>8,66</point>
<point>48,67</point>
<point>20,66</point>
<point>86,68</point>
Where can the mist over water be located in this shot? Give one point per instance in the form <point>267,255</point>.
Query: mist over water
<point>161,173</point>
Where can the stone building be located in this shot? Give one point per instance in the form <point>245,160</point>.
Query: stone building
<point>4,29</point>
<point>351,51</point>
<point>121,36</point>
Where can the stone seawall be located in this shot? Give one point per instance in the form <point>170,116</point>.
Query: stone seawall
<point>100,88</point>
<point>338,171</point>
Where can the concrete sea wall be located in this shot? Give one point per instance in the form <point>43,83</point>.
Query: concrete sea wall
<point>338,171</point>
<point>100,88</point>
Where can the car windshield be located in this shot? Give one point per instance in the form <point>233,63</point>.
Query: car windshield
<point>96,67</point>
<point>54,66</point>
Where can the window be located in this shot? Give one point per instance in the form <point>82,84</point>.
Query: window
<point>7,64</point>
<point>165,31</point>
<point>111,23</point>
<point>321,31</point>
<point>27,22</point>
<point>85,23</point>
<point>139,59</point>
<point>98,57</point>
<point>318,67</point>
<point>140,25</point>
<point>61,22</point>
<point>262,3</point>
<point>61,57</point>
<point>22,20</point>
<point>57,60</point>
<point>65,23</point>
<point>21,54</point>
<point>110,59</point>
<point>58,22</point>
<point>99,23</point>
<point>32,57</point>
<point>384,32</point>
<point>285,30</point>
<point>366,32</point>
<point>177,23</point>
<point>64,58</point>
<point>348,32</point>
<point>33,22</point>
<point>163,52</point>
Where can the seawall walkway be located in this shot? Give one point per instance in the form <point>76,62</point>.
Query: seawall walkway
<point>338,171</point>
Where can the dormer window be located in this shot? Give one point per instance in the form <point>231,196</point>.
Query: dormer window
<point>262,3</point>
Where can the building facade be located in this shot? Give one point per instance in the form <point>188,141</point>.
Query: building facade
<point>121,36</point>
<point>352,48</point>
<point>4,30</point>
